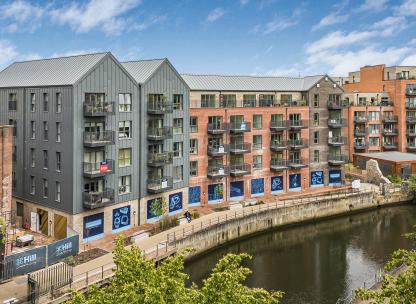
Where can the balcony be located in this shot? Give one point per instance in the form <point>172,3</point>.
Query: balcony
<point>360,146</point>
<point>297,143</point>
<point>218,150</point>
<point>337,105</point>
<point>411,133</point>
<point>390,118</point>
<point>94,109</point>
<point>240,169</point>
<point>337,159</point>
<point>411,119</point>
<point>278,165</point>
<point>97,169</point>
<point>293,103</point>
<point>278,126</point>
<point>159,107</point>
<point>411,147</point>
<point>94,200</point>
<point>297,163</point>
<point>337,141</point>
<point>410,106</point>
<point>391,145</point>
<point>157,134</point>
<point>240,127</point>
<point>98,139</point>
<point>390,132</point>
<point>360,132</point>
<point>160,159</point>
<point>297,124</point>
<point>217,128</point>
<point>278,145</point>
<point>240,148</point>
<point>336,123</point>
<point>159,185</point>
<point>360,119</point>
<point>411,90</point>
<point>216,172</point>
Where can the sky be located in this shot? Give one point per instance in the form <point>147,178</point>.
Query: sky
<point>234,37</point>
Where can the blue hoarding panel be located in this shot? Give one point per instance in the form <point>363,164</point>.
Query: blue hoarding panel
<point>257,187</point>
<point>215,193</point>
<point>194,195</point>
<point>237,190</point>
<point>63,248</point>
<point>295,181</point>
<point>175,203</point>
<point>152,206</point>
<point>27,261</point>
<point>335,177</point>
<point>121,219</point>
<point>317,178</point>
<point>276,184</point>
<point>93,226</point>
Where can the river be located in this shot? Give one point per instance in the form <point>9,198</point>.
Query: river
<point>318,262</point>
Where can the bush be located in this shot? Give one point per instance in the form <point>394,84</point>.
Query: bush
<point>395,179</point>
<point>195,215</point>
<point>168,222</point>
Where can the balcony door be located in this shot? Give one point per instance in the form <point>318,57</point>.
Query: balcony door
<point>155,149</point>
<point>94,156</point>
<point>294,136</point>
<point>94,186</point>
<point>156,174</point>
<point>94,127</point>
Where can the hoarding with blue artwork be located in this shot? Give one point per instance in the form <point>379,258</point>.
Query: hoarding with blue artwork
<point>237,190</point>
<point>215,193</point>
<point>63,248</point>
<point>26,261</point>
<point>93,226</point>
<point>257,187</point>
<point>295,182</point>
<point>154,206</point>
<point>194,195</point>
<point>317,178</point>
<point>335,177</point>
<point>175,203</point>
<point>121,219</point>
<point>276,184</point>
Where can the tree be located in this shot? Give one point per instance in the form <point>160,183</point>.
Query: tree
<point>138,280</point>
<point>399,289</point>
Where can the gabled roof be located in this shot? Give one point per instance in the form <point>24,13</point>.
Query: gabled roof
<point>249,83</point>
<point>49,72</point>
<point>142,70</point>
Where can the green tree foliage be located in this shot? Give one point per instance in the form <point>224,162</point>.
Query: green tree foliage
<point>399,288</point>
<point>138,280</point>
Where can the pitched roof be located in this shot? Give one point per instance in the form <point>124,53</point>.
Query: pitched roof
<point>249,83</point>
<point>49,72</point>
<point>142,70</point>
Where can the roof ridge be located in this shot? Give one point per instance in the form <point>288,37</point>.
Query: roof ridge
<point>54,58</point>
<point>253,76</point>
<point>155,59</point>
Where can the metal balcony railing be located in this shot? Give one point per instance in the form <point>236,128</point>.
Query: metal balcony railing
<point>98,108</point>
<point>159,133</point>
<point>97,169</point>
<point>360,132</point>
<point>239,148</point>
<point>360,146</point>
<point>217,128</point>
<point>411,119</point>
<point>278,164</point>
<point>159,185</point>
<point>218,149</point>
<point>215,172</point>
<point>411,146</point>
<point>337,105</point>
<point>278,125</point>
<point>360,119</point>
<point>237,127</point>
<point>297,143</point>
<point>278,145</point>
<point>297,163</point>
<point>410,105</point>
<point>159,107</point>
<point>297,124</point>
<point>337,159</point>
<point>411,133</point>
<point>390,118</point>
<point>390,132</point>
<point>337,141</point>
<point>94,200</point>
<point>240,169</point>
<point>97,139</point>
<point>411,90</point>
<point>337,123</point>
<point>390,145</point>
<point>160,159</point>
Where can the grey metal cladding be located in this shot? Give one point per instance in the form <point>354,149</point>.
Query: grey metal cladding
<point>49,72</point>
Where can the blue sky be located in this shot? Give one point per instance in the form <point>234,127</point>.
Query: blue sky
<point>252,37</point>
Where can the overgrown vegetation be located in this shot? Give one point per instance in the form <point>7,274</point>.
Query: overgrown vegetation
<point>395,179</point>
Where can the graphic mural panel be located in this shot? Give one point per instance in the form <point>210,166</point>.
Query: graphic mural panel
<point>175,203</point>
<point>335,177</point>
<point>63,248</point>
<point>295,182</point>
<point>194,195</point>
<point>276,184</point>
<point>215,193</point>
<point>121,218</point>
<point>93,226</point>
<point>237,190</point>
<point>257,187</point>
<point>317,178</point>
<point>153,205</point>
<point>27,261</point>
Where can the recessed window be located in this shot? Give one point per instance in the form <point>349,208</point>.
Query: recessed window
<point>257,142</point>
<point>32,130</point>
<point>257,121</point>
<point>12,102</point>
<point>178,126</point>
<point>177,149</point>
<point>177,101</point>
<point>124,102</point>
<point>58,191</point>
<point>58,131</point>
<point>193,168</point>
<point>124,184</point>
<point>257,162</point>
<point>193,124</point>
<point>193,146</point>
<point>45,102</point>
<point>32,157</point>
<point>316,156</point>
<point>32,102</point>
<point>316,119</point>
<point>178,173</point>
<point>58,102</point>
<point>124,157</point>
<point>45,188</point>
<point>124,129</point>
<point>45,159</point>
<point>32,185</point>
<point>316,100</point>
<point>45,130</point>
<point>316,137</point>
<point>208,101</point>
<point>58,161</point>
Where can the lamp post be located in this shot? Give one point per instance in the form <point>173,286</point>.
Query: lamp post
<point>134,218</point>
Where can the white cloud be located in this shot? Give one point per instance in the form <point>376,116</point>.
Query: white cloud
<point>391,25</point>
<point>279,25</point>
<point>409,60</point>
<point>9,54</point>
<point>21,16</point>
<point>215,14</point>
<point>141,26</point>
<point>331,19</point>
<point>373,5</point>
<point>407,8</point>
<point>244,2</point>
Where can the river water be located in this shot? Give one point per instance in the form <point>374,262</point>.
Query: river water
<point>318,262</point>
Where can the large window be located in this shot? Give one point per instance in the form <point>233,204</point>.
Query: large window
<point>193,124</point>
<point>124,129</point>
<point>12,102</point>
<point>257,121</point>
<point>249,101</point>
<point>124,157</point>
<point>193,146</point>
<point>228,101</point>
<point>177,149</point>
<point>373,116</point>
<point>177,126</point>
<point>193,168</point>
<point>124,183</point>
<point>208,101</point>
<point>177,101</point>
<point>373,129</point>
<point>124,102</point>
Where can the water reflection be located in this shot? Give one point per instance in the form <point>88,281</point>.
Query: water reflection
<point>317,263</point>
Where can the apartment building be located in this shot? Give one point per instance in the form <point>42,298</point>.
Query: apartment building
<point>261,136</point>
<point>85,139</point>
<point>382,109</point>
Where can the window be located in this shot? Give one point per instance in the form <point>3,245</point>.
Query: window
<point>373,116</point>
<point>45,159</point>
<point>316,137</point>
<point>58,191</point>
<point>58,103</point>
<point>45,188</point>
<point>316,156</point>
<point>32,185</point>
<point>316,119</point>
<point>257,162</point>
<point>374,141</point>
<point>266,100</point>
<point>178,173</point>
<point>177,101</point>
<point>32,102</point>
<point>257,121</point>
<point>316,100</point>
<point>257,142</point>
<point>32,157</point>
<point>14,155</point>
<point>373,129</point>
<point>208,101</point>
<point>124,183</point>
<point>13,122</point>
<point>45,102</point>
<point>58,131</point>
<point>45,130</point>
<point>32,130</point>
<point>58,161</point>
<point>177,149</point>
<point>193,124</point>
<point>19,209</point>
<point>12,102</point>
<point>124,129</point>
<point>177,126</point>
<point>249,101</point>
<point>124,102</point>
<point>228,101</point>
<point>193,146</point>
<point>124,157</point>
<point>193,168</point>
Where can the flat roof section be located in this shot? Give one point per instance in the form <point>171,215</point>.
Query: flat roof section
<point>393,156</point>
